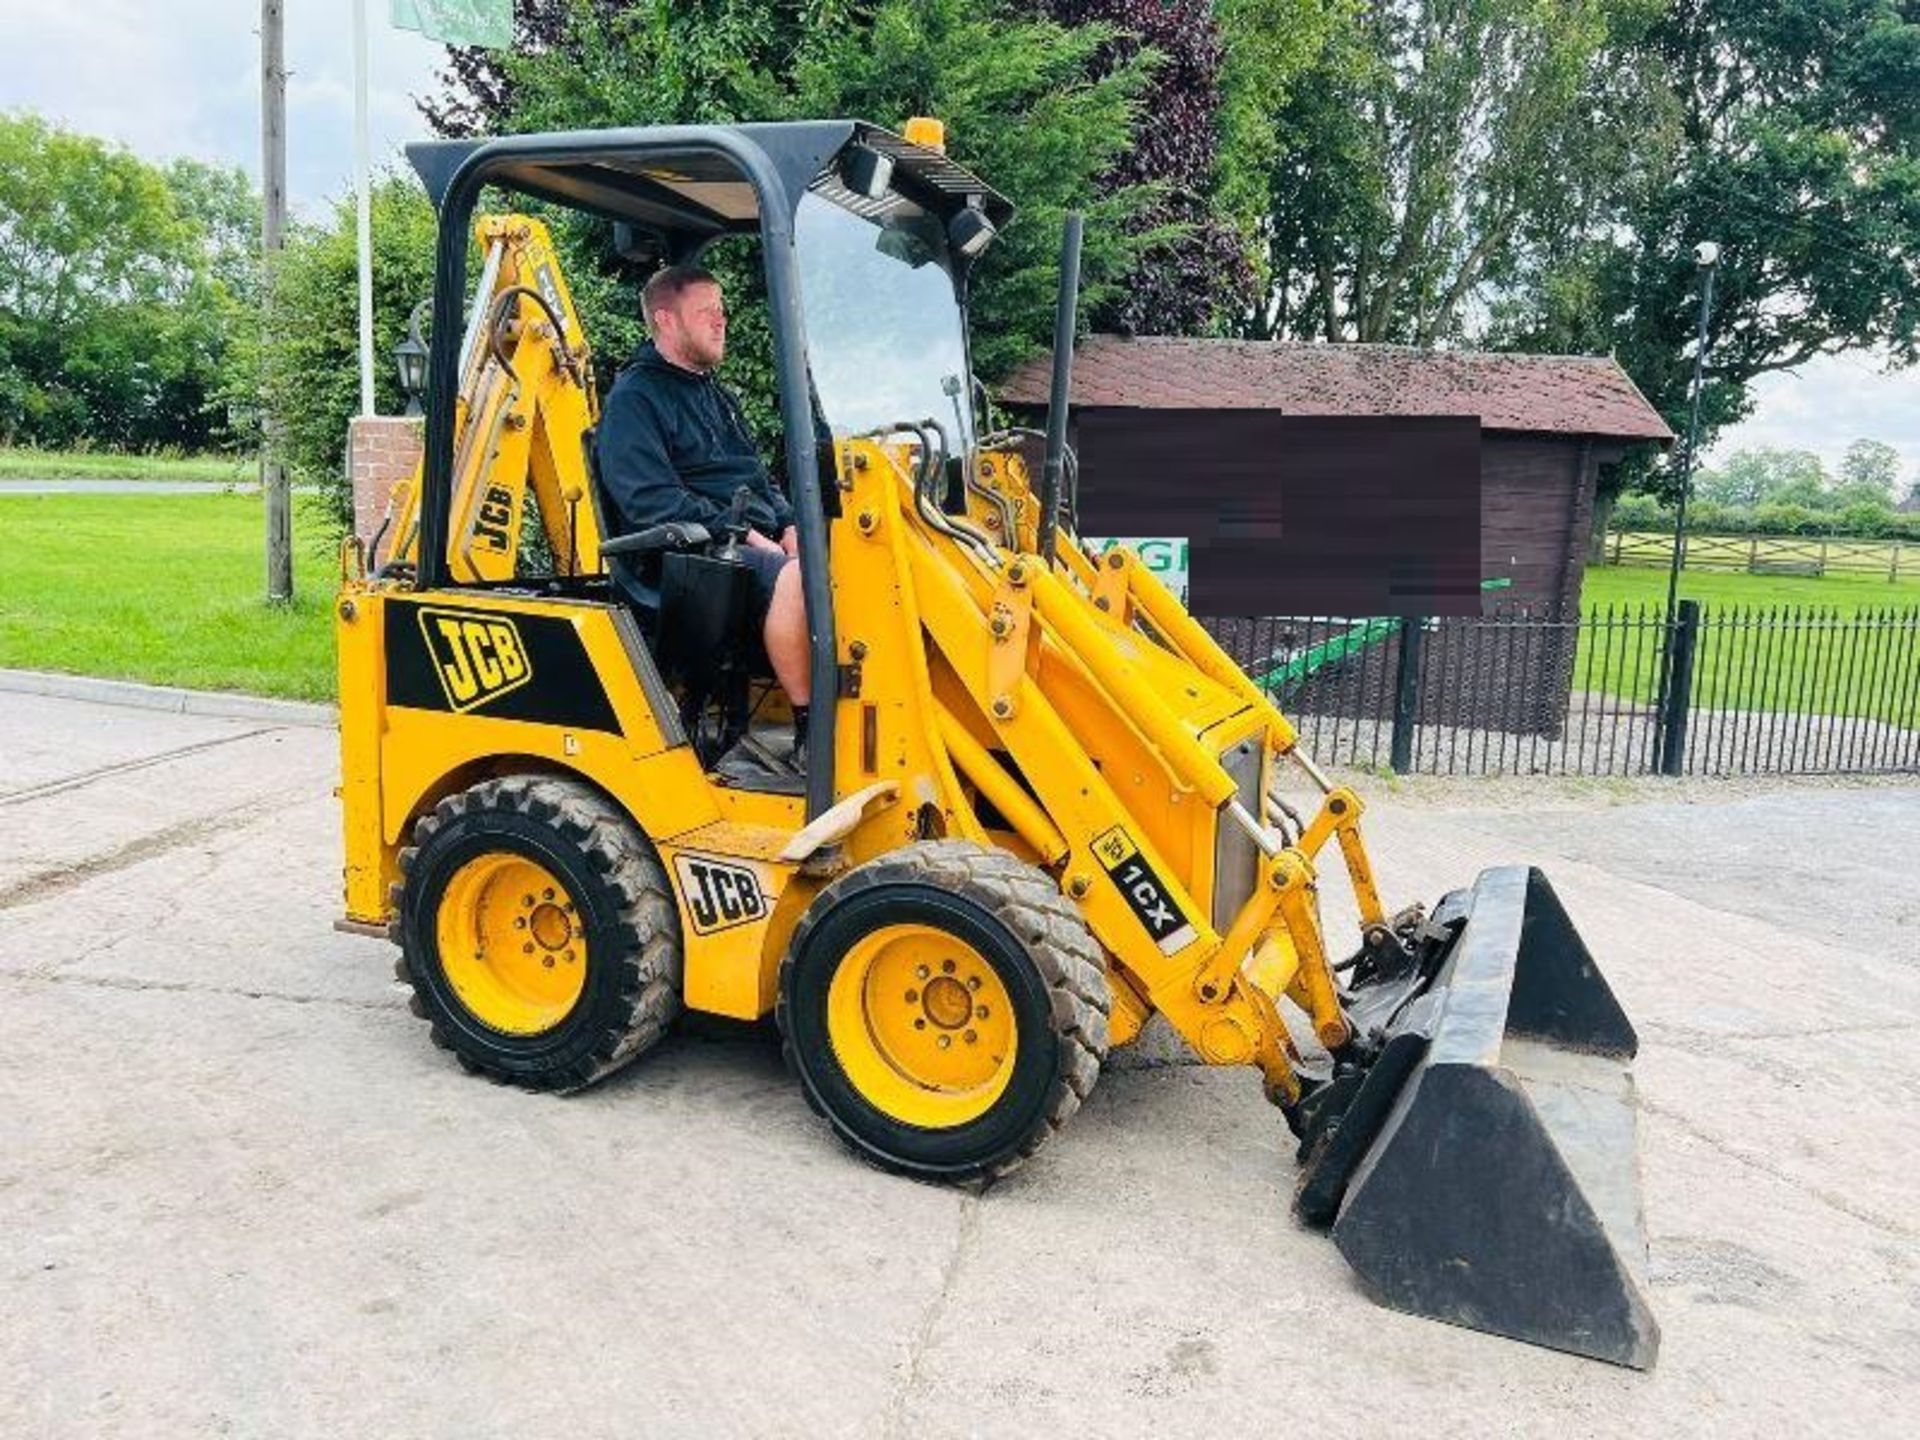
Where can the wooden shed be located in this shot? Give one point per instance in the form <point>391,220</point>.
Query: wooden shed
<point>1549,423</point>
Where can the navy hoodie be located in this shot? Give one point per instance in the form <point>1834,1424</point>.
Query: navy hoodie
<point>673,445</point>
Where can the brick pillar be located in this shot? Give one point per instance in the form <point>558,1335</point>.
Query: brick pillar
<point>382,450</point>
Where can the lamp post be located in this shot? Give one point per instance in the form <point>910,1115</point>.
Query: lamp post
<point>1668,731</point>
<point>1706,255</point>
<point>410,358</point>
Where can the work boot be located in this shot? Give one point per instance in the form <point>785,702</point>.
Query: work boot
<point>798,759</point>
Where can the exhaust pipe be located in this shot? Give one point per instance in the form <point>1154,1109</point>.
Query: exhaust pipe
<point>1063,326</point>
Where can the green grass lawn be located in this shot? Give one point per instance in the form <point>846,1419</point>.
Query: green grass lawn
<point>1838,661</point>
<point>21,464</point>
<point>1634,585</point>
<point>167,589</point>
<point>164,588</point>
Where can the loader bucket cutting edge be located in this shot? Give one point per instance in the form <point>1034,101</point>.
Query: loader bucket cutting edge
<point>1493,1179</point>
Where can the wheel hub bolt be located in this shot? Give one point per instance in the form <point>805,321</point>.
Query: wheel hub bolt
<point>971,1037</point>
<point>945,1041</point>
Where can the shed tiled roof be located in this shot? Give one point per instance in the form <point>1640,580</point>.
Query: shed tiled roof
<point>1552,394</point>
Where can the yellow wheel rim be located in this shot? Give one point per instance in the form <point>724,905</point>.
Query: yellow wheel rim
<point>922,1025</point>
<point>512,944</point>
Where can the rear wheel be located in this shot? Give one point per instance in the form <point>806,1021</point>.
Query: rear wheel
<point>945,1009</point>
<point>538,932</point>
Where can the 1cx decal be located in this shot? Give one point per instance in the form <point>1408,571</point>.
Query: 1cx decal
<point>476,657</point>
<point>719,895</point>
<point>1145,893</point>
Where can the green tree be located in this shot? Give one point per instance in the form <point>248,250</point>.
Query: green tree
<point>1788,131</point>
<point>1764,476</point>
<point>309,347</point>
<point>1269,47</point>
<point>117,291</point>
<point>1038,108</point>
<point>1869,474</point>
<point>1434,153</point>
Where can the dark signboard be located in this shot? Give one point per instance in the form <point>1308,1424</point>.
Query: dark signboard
<point>1294,514</point>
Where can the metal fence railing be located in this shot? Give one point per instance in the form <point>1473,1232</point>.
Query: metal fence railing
<point>1616,690</point>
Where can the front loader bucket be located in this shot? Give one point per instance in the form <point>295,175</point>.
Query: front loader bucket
<point>1487,1171</point>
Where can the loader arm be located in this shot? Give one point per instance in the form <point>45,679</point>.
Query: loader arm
<point>525,403</point>
<point>1078,714</point>
<point>1046,702</point>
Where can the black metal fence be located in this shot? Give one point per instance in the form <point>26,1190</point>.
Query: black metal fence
<point>1618,690</point>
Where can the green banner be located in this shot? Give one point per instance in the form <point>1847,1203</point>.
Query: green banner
<point>486,23</point>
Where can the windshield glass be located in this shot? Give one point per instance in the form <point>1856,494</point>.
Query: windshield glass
<point>883,323</point>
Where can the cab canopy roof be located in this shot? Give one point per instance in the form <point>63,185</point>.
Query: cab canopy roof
<point>687,182</point>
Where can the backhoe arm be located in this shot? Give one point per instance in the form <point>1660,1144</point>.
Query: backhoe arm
<point>525,403</point>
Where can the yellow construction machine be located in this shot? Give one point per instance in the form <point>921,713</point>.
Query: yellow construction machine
<point>1040,804</point>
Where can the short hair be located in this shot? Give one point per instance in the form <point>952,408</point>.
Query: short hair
<point>667,284</point>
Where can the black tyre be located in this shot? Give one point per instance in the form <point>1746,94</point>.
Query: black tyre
<point>945,1009</point>
<point>538,932</point>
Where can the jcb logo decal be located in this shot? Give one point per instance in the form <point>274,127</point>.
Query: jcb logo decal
<point>476,657</point>
<point>495,518</point>
<point>549,285</point>
<point>1146,895</point>
<point>718,895</point>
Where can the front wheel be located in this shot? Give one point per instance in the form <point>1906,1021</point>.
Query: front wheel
<point>945,1009</point>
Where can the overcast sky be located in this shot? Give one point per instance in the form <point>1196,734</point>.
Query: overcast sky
<point>183,78</point>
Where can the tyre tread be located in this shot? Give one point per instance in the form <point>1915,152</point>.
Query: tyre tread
<point>648,919</point>
<point>1050,929</point>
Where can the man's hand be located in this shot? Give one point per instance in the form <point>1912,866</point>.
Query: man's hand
<point>790,541</point>
<point>757,541</point>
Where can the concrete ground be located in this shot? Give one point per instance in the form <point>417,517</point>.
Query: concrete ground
<point>241,1194</point>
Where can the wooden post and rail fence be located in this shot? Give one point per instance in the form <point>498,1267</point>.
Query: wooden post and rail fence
<point>1810,555</point>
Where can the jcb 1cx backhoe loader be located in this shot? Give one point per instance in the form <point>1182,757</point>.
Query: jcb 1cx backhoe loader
<point>1040,804</point>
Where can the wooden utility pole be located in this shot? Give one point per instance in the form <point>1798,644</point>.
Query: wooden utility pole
<point>273,224</point>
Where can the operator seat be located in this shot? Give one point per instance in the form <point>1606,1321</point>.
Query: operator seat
<point>694,603</point>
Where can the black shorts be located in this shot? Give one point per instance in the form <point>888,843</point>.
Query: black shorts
<point>766,567</point>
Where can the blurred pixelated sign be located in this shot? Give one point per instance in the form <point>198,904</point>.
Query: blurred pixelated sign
<point>487,23</point>
<point>1165,556</point>
<point>1294,514</point>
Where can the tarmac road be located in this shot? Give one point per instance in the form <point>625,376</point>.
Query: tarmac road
<point>241,1194</point>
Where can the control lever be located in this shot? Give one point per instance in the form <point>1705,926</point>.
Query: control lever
<point>737,526</point>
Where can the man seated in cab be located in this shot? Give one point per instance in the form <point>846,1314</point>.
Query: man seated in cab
<point>673,445</point>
